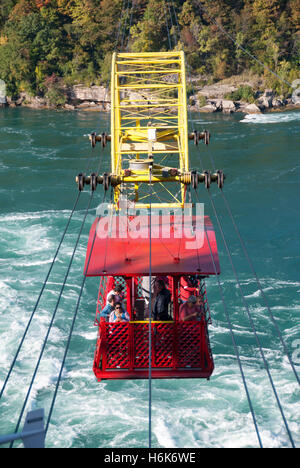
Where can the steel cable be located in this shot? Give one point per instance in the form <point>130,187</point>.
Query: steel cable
<point>53,317</point>
<point>72,326</point>
<point>39,298</point>
<point>150,311</point>
<point>266,365</point>
<point>232,336</point>
<point>250,263</point>
<point>228,251</point>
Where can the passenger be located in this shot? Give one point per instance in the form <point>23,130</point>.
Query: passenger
<point>118,314</point>
<point>200,305</point>
<point>156,281</point>
<point>118,292</point>
<point>188,287</point>
<point>105,313</point>
<point>162,301</point>
<point>189,310</point>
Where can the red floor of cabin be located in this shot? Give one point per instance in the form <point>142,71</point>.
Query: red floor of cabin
<point>179,350</point>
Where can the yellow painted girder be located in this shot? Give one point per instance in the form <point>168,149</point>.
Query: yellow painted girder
<point>124,112</point>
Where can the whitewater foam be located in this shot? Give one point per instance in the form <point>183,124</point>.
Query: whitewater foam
<point>271,118</point>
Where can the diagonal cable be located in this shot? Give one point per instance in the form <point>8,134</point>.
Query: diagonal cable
<point>53,318</point>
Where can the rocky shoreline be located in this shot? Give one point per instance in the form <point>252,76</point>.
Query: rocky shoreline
<point>208,99</point>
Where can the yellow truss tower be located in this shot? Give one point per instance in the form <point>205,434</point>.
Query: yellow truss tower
<point>149,129</point>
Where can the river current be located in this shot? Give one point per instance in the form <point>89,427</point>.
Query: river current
<point>41,152</point>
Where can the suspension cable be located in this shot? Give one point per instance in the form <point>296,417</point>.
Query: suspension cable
<point>243,245</point>
<point>250,317</point>
<point>53,317</point>
<point>150,311</point>
<point>72,325</point>
<point>235,272</point>
<point>167,26</point>
<point>120,27</point>
<point>39,298</point>
<point>42,289</point>
<point>232,335</point>
<point>173,29</point>
<point>124,27</point>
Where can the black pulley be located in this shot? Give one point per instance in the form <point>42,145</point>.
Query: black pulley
<point>93,139</point>
<point>80,181</point>
<point>106,181</point>
<point>94,181</point>
<point>220,179</point>
<point>206,137</point>
<point>196,137</point>
<point>194,179</point>
<point>207,179</point>
<point>103,139</point>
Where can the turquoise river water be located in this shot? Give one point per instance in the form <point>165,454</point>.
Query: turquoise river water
<point>40,154</point>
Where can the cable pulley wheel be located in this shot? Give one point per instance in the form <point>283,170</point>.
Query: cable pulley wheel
<point>94,181</point>
<point>103,140</point>
<point>196,137</point>
<point>206,137</point>
<point>106,181</point>
<point>194,179</point>
<point>207,179</point>
<point>93,139</point>
<point>80,182</point>
<point>220,179</point>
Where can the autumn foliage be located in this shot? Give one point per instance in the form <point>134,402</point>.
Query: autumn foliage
<point>73,39</point>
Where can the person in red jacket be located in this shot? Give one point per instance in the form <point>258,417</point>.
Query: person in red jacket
<point>187,288</point>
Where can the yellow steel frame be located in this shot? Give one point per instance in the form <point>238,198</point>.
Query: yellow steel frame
<point>148,91</point>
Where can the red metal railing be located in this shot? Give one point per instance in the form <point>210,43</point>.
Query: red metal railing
<point>176,345</point>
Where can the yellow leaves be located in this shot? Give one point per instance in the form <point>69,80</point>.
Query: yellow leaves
<point>3,40</point>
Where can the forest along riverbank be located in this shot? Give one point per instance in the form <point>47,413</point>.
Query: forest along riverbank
<point>227,96</point>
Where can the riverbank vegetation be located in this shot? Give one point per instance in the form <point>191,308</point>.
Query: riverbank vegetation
<point>48,45</point>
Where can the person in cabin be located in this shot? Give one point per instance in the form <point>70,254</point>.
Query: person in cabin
<point>201,308</point>
<point>108,309</point>
<point>162,301</point>
<point>117,292</point>
<point>189,310</point>
<point>188,287</point>
<point>118,314</point>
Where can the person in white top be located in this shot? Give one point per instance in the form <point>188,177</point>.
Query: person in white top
<point>117,292</point>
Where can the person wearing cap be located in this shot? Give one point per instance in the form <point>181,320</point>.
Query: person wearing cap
<point>189,310</point>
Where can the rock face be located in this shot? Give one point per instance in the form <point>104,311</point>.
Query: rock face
<point>208,108</point>
<point>93,94</point>
<point>228,107</point>
<point>217,91</point>
<point>207,99</point>
<point>252,109</point>
<point>266,100</point>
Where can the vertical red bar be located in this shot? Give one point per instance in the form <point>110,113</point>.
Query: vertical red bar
<point>153,341</point>
<point>175,282</point>
<point>203,343</point>
<point>103,326</point>
<point>175,297</point>
<point>131,346</point>
<point>129,297</point>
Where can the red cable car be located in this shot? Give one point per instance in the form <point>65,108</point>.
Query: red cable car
<point>180,349</point>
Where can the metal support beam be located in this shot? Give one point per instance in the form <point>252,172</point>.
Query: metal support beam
<point>33,435</point>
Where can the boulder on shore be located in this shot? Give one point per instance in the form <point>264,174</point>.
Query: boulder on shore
<point>228,107</point>
<point>252,109</point>
<point>208,108</point>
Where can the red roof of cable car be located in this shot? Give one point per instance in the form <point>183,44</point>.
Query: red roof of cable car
<point>170,256</point>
